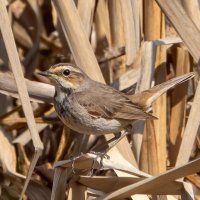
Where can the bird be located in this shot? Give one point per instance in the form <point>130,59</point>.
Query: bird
<point>90,107</point>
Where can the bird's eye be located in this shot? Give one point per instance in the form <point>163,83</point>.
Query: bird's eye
<point>66,72</point>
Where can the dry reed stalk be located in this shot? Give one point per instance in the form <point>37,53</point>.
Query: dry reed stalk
<point>8,158</point>
<point>128,79</point>
<point>194,179</point>
<point>192,9</point>
<point>32,58</point>
<point>116,24</point>
<point>103,183</point>
<point>148,158</point>
<point>63,144</point>
<point>137,23</point>
<point>77,191</point>
<point>18,74</point>
<point>178,102</point>
<point>190,130</point>
<point>183,25</point>
<point>25,137</point>
<point>152,21</point>
<point>117,35</point>
<point>156,132</point>
<point>21,86</point>
<point>103,39</point>
<point>103,18</point>
<point>155,181</point>
<point>59,184</point>
<point>130,30</point>
<point>8,87</point>
<point>86,12</point>
<point>143,83</point>
<point>160,110</point>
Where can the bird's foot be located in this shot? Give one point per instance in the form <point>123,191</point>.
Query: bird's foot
<point>73,160</point>
<point>96,157</point>
<point>100,155</point>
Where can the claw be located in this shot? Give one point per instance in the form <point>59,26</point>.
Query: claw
<point>92,169</point>
<point>73,159</point>
<point>100,155</point>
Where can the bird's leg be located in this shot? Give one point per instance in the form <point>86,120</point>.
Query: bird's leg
<point>101,151</point>
<point>101,154</point>
<point>112,142</point>
<point>116,137</point>
<point>72,166</point>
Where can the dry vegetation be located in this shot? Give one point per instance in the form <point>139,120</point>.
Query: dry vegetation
<point>130,44</point>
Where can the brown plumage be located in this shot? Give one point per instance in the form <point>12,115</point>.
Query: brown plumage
<point>112,104</point>
<point>90,107</point>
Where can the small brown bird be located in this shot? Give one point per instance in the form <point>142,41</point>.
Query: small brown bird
<point>90,107</point>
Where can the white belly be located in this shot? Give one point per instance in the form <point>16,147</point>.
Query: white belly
<point>94,126</point>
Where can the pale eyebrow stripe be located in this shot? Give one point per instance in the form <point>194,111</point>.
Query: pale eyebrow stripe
<point>73,69</point>
<point>70,66</point>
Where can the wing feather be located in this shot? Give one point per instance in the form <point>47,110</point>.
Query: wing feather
<point>109,103</point>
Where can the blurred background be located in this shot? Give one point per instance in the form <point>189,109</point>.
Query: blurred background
<point>136,46</point>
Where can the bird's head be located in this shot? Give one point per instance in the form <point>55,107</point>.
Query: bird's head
<point>65,75</point>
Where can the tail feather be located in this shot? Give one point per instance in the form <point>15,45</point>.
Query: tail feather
<point>147,97</point>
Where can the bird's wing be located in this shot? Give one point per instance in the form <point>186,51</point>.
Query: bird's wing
<point>109,103</point>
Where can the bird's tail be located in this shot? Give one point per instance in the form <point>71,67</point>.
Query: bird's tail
<point>147,97</point>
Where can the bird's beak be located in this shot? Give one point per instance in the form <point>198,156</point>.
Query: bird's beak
<point>45,73</point>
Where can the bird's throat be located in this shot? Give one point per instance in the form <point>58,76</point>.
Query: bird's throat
<point>62,92</point>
